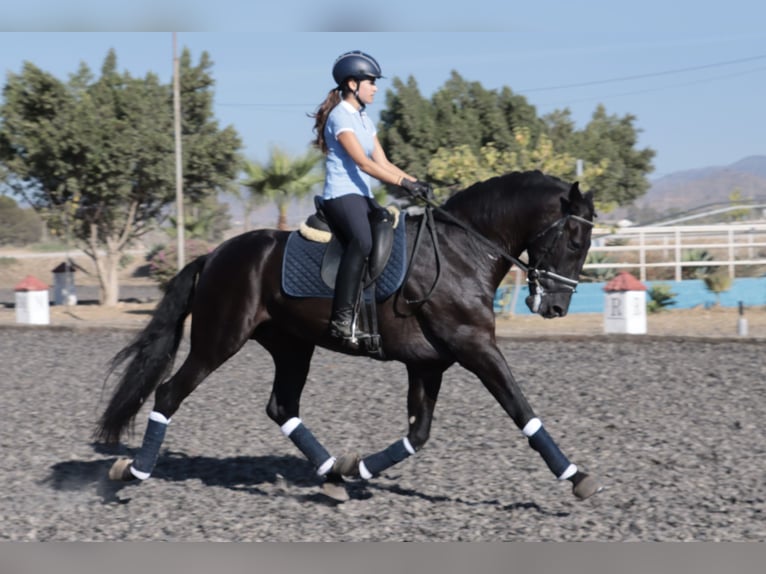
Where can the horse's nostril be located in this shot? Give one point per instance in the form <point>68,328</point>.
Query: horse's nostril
<point>558,311</point>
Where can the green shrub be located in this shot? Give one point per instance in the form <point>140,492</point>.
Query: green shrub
<point>696,272</point>
<point>717,283</point>
<point>660,296</point>
<point>601,274</point>
<point>163,259</point>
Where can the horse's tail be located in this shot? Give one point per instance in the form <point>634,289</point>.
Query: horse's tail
<point>151,354</point>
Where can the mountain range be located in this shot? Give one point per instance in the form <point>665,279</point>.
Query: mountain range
<point>685,190</point>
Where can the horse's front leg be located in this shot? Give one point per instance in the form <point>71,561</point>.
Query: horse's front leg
<point>424,385</point>
<point>292,359</point>
<point>482,357</point>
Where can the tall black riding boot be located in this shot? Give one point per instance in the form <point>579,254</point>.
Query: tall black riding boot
<point>348,285</point>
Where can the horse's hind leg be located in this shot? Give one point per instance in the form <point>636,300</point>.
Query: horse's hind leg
<point>292,359</point>
<point>167,399</point>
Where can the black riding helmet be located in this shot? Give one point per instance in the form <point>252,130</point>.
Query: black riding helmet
<point>357,65</point>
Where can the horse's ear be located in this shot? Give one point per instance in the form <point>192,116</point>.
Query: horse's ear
<point>575,194</point>
<point>574,197</point>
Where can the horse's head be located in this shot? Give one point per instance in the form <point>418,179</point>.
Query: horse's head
<point>557,254</point>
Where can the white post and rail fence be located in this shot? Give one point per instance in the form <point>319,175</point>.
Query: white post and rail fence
<point>653,252</point>
<point>681,254</point>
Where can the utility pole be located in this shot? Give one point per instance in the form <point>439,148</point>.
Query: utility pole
<point>179,168</point>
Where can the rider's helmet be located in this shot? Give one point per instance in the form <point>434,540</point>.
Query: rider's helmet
<point>357,65</point>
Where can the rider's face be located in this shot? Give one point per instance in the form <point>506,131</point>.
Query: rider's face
<point>367,90</point>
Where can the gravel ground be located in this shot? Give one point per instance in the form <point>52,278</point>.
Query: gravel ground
<point>672,426</point>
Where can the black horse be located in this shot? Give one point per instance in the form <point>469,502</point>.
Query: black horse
<point>235,294</point>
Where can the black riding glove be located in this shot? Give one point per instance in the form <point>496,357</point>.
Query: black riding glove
<point>417,188</point>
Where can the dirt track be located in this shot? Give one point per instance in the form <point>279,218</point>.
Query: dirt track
<point>673,427</point>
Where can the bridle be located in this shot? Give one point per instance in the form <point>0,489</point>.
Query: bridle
<point>535,272</point>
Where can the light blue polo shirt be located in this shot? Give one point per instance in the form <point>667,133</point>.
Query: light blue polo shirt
<point>343,176</point>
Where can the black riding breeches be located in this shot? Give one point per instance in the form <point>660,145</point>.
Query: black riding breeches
<point>348,216</point>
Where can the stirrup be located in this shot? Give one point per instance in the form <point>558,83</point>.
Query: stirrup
<point>345,330</point>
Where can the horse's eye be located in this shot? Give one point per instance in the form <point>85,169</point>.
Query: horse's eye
<point>574,245</point>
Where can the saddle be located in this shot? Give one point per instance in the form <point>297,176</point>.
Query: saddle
<point>382,224</point>
<point>313,254</point>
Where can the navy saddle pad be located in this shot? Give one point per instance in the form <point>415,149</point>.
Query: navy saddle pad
<point>302,264</point>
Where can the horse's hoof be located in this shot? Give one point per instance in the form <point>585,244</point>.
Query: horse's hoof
<point>121,470</point>
<point>335,490</point>
<point>347,465</point>
<point>586,487</point>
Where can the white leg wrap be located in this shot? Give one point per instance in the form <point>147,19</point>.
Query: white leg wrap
<point>138,474</point>
<point>159,417</point>
<point>290,426</point>
<point>532,427</point>
<point>363,472</point>
<point>325,467</point>
<point>569,472</point>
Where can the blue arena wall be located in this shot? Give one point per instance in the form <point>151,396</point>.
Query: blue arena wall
<point>691,293</point>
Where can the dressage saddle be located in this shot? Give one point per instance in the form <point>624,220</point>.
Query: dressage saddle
<point>382,224</point>
<point>317,229</point>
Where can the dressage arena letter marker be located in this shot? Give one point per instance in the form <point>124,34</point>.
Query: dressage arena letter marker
<point>296,431</point>
<point>376,463</point>
<point>540,440</point>
<point>150,449</point>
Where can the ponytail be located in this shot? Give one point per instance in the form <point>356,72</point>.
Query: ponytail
<point>320,116</point>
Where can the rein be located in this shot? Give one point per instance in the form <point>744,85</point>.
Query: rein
<point>429,223</point>
<point>533,272</point>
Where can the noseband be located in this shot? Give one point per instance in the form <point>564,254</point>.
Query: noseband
<point>535,272</point>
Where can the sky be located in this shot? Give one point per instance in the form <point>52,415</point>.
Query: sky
<point>692,73</point>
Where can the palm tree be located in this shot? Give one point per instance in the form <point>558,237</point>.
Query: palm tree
<point>283,178</point>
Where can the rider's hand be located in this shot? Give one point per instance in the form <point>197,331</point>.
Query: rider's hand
<point>417,188</point>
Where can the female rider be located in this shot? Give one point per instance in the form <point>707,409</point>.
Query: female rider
<point>347,137</point>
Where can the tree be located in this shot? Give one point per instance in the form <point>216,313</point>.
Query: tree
<point>408,127</point>
<point>465,131</point>
<point>206,220</point>
<point>461,113</point>
<point>614,139</point>
<point>283,178</point>
<point>18,226</point>
<point>96,156</point>
<point>456,168</point>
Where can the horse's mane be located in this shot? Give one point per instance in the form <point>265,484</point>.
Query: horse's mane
<point>515,191</point>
